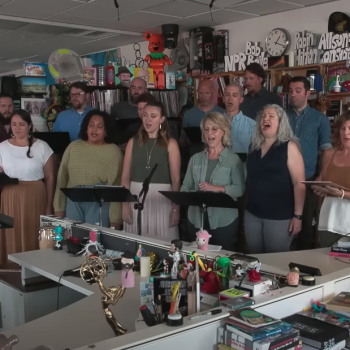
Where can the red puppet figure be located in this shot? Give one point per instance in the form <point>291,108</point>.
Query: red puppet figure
<point>157,58</point>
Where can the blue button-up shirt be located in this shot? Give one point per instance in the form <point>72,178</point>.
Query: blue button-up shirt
<point>314,133</point>
<point>70,120</point>
<point>194,116</point>
<point>242,129</point>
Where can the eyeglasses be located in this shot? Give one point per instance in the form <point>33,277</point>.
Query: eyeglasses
<point>77,94</point>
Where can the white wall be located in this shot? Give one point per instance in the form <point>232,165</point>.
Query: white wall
<point>314,19</point>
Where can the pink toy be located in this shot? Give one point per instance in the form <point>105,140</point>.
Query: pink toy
<point>127,262</point>
<point>202,239</point>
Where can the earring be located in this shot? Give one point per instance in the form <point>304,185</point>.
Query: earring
<point>12,135</point>
<point>29,135</point>
<point>160,126</point>
<point>105,135</point>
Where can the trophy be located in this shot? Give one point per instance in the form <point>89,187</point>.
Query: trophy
<point>93,270</point>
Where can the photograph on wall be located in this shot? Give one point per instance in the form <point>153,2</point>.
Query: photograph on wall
<point>123,76</point>
<point>36,108</point>
<point>146,74</point>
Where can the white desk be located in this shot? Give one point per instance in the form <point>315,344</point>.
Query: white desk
<point>82,324</point>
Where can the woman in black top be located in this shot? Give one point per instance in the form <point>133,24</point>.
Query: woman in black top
<point>275,195</point>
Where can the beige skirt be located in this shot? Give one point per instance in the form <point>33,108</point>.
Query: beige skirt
<point>156,215</point>
<point>24,202</point>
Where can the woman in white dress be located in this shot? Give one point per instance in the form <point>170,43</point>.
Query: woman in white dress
<point>30,161</point>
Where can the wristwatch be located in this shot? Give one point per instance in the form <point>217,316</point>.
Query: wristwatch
<point>299,217</point>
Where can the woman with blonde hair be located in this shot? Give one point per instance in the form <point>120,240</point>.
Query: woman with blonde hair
<point>216,169</point>
<point>275,194</point>
<point>153,145</point>
<point>334,221</point>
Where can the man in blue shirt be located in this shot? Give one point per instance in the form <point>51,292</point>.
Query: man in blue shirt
<point>314,131</point>
<point>242,127</point>
<point>71,119</point>
<point>194,116</point>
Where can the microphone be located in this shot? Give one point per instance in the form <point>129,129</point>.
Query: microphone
<point>71,271</point>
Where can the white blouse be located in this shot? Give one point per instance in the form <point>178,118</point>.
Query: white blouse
<point>16,164</point>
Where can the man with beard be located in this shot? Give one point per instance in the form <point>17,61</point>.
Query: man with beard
<point>128,109</point>
<point>71,119</point>
<point>257,96</point>
<point>6,110</point>
<point>313,130</point>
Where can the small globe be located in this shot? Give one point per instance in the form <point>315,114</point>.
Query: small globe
<point>93,269</point>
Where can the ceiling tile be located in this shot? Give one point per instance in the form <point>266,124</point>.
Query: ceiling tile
<point>40,28</point>
<point>36,8</point>
<point>180,8</point>
<point>97,12</point>
<point>220,3</point>
<point>264,7</point>
<point>128,6</point>
<point>308,2</point>
<point>62,17</point>
<point>11,25</point>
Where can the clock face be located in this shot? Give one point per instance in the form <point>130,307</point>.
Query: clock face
<point>277,42</point>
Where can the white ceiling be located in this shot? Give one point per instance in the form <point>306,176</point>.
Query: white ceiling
<point>32,29</point>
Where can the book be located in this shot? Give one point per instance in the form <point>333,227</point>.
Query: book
<point>339,254</point>
<point>286,341</point>
<point>257,334</point>
<point>340,303</point>
<point>338,346</point>
<point>237,303</point>
<point>233,293</point>
<point>252,318</point>
<point>336,248</point>
<point>316,333</point>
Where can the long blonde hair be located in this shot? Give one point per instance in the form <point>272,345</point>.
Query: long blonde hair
<point>220,121</point>
<point>338,125</point>
<point>163,135</point>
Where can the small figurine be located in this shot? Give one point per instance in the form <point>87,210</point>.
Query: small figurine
<point>176,246</point>
<point>293,277</point>
<point>202,239</point>
<point>92,249</point>
<point>166,268</point>
<point>140,252</point>
<point>157,58</point>
<point>128,278</point>
<point>58,238</point>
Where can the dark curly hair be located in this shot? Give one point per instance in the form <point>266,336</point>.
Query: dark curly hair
<point>108,123</point>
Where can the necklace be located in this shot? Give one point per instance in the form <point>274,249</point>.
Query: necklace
<point>148,158</point>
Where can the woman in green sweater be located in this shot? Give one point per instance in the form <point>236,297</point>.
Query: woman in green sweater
<point>216,169</point>
<point>93,160</point>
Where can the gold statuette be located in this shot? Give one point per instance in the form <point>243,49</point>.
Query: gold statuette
<point>93,270</point>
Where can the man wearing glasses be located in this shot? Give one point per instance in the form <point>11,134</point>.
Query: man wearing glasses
<point>71,119</point>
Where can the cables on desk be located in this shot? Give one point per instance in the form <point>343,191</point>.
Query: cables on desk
<point>58,292</point>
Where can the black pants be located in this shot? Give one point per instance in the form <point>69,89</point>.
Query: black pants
<point>304,240</point>
<point>226,237</point>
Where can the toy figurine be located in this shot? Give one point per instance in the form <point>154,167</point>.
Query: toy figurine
<point>128,278</point>
<point>157,58</point>
<point>92,249</point>
<point>166,268</point>
<point>58,238</point>
<point>202,239</point>
<point>293,277</point>
<point>176,246</point>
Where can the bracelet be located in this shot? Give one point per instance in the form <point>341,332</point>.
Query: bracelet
<point>343,194</point>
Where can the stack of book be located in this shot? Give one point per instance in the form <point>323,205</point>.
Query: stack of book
<point>250,330</point>
<point>316,334</point>
<point>341,249</point>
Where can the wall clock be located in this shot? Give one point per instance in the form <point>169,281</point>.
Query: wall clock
<point>277,42</point>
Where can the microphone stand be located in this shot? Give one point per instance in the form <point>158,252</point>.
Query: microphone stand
<point>139,205</point>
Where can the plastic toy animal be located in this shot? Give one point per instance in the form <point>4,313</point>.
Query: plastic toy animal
<point>157,58</point>
<point>58,238</point>
<point>202,239</point>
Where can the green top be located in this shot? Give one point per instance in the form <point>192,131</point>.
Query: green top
<point>157,55</point>
<point>158,155</point>
<point>228,172</point>
<point>85,164</point>
<point>211,166</point>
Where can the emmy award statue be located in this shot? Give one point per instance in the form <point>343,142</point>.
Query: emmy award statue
<point>93,270</point>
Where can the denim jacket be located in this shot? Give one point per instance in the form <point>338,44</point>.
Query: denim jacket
<point>228,172</point>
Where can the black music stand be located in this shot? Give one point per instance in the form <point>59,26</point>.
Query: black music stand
<point>6,221</point>
<point>6,180</point>
<point>201,199</point>
<point>57,140</point>
<point>99,194</point>
<point>194,134</point>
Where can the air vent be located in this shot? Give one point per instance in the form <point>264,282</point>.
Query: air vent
<point>89,34</point>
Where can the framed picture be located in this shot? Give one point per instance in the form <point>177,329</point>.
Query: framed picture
<point>36,108</point>
<point>146,74</point>
<point>90,76</point>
